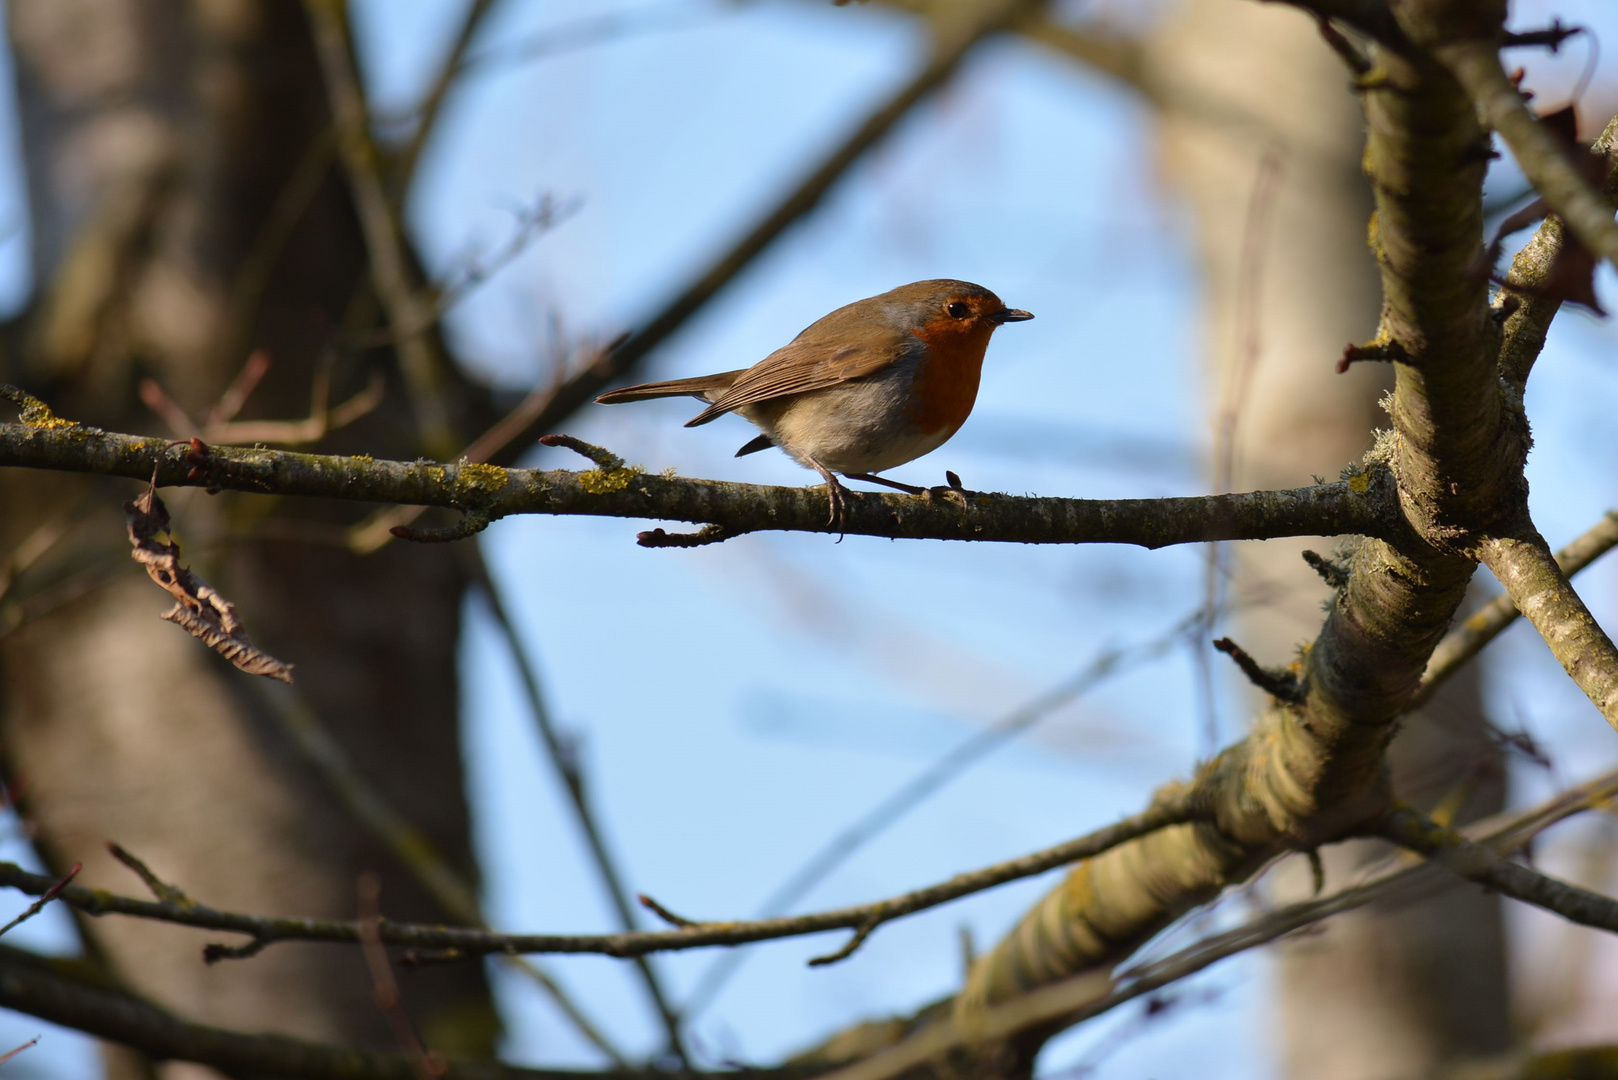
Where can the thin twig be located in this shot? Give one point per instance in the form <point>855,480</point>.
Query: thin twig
<point>413,850</point>
<point>1171,809</point>
<point>568,773</point>
<point>432,105</point>
<point>39,905</point>
<point>408,308</point>
<point>1108,663</point>
<point>385,987</point>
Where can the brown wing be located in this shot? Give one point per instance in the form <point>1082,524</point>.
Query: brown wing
<point>810,362</point>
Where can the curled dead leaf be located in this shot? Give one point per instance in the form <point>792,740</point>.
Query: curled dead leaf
<point>198,608</point>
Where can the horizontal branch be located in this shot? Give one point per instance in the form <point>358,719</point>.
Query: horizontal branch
<point>1489,621</point>
<point>1168,810</point>
<point>1364,504</point>
<point>48,990</point>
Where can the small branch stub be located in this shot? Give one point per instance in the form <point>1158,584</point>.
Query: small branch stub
<point>1281,685</point>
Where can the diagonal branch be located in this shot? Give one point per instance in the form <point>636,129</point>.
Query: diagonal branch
<point>1089,995</point>
<point>565,762</point>
<point>1588,214</point>
<point>1172,807</point>
<point>1479,863</point>
<point>1541,591</point>
<point>1469,639</point>
<point>1363,504</point>
<point>408,308</point>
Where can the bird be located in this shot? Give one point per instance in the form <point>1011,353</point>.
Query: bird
<point>872,385</point>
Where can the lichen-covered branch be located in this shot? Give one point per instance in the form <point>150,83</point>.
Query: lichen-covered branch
<point>1362,504</point>
<point>1173,806</point>
<point>1541,591</point>
<point>1482,627</point>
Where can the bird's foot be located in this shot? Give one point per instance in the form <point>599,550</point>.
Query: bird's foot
<point>951,490</point>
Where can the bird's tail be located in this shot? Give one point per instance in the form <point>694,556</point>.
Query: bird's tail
<point>706,387</point>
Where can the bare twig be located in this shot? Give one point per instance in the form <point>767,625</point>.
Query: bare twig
<point>39,905</point>
<point>1281,685</point>
<point>1477,862</point>
<point>571,778</point>
<point>165,893</point>
<point>15,1050</point>
<point>425,1064</point>
<point>408,308</point>
<point>413,850</point>
<point>432,105</point>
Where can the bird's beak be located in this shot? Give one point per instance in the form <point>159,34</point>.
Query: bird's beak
<point>1010,314</point>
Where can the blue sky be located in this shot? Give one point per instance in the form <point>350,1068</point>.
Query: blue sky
<point>755,697</point>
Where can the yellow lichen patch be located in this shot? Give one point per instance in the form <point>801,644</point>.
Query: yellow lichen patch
<point>1359,483</point>
<point>479,477</point>
<point>436,473</point>
<point>608,481</point>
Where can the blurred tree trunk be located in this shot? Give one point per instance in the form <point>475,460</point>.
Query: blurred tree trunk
<point>1381,993</point>
<point>160,138</point>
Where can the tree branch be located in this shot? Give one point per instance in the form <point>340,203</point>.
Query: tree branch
<point>409,310</point>
<point>51,991</point>
<point>1532,274</point>
<point>1478,863</point>
<point>1088,995</point>
<point>1540,590</point>
<point>1469,639</point>
<point>565,762</point>
<point>1363,504</point>
<point>1171,807</point>
<point>1544,160</point>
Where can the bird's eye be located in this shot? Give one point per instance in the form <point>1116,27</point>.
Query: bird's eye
<point>957,310</point>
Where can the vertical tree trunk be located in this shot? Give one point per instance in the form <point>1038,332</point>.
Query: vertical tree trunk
<point>161,136</point>
<point>1378,994</point>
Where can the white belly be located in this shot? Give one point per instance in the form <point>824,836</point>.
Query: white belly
<point>863,426</point>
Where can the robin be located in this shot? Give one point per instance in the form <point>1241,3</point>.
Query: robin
<point>873,385</point>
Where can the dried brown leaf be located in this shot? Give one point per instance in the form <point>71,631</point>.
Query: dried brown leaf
<point>198,608</point>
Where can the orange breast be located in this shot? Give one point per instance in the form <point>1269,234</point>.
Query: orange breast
<point>947,381</point>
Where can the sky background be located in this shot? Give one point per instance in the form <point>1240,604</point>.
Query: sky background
<point>738,705</point>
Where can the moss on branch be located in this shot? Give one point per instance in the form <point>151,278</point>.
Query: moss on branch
<point>1364,504</point>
